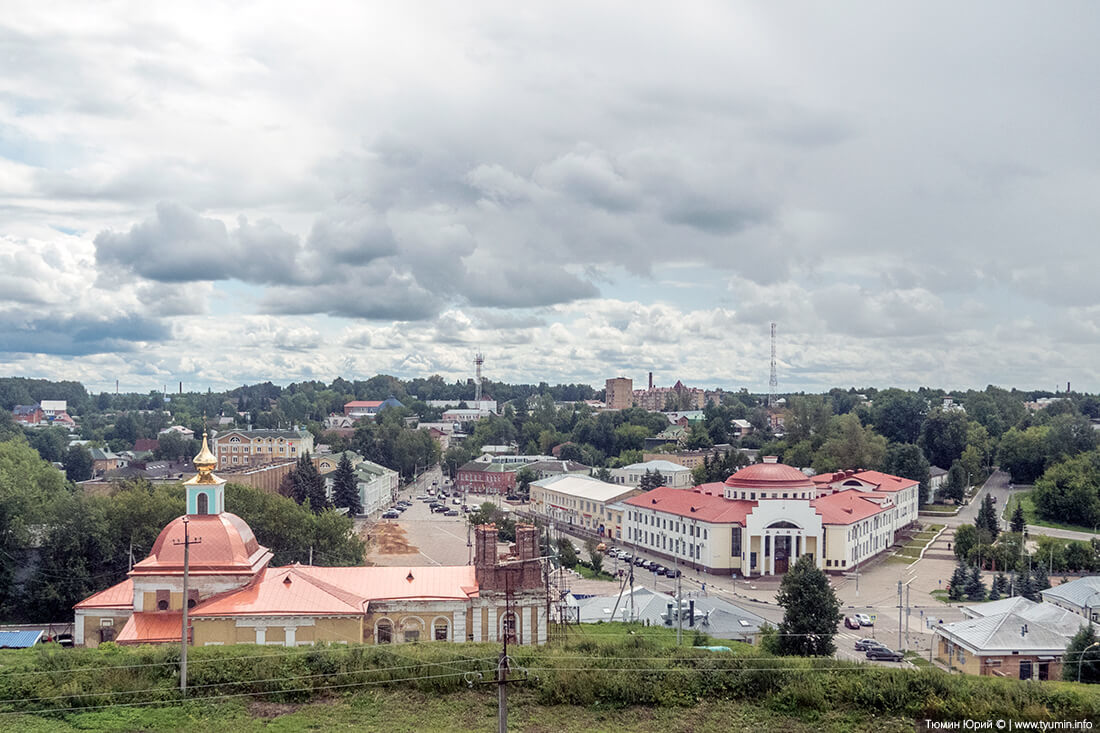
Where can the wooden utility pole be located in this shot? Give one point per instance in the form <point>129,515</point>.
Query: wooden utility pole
<point>502,689</point>
<point>187,542</point>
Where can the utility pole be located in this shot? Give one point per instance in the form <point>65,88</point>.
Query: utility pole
<point>899,614</point>
<point>311,554</point>
<point>679,609</point>
<point>502,688</point>
<point>907,612</point>
<point>187,542</point>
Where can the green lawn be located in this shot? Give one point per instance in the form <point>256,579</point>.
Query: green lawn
<point>1030,516</point>
<point>586,572</point>
<point>919,660</point>
<point>938,509</point>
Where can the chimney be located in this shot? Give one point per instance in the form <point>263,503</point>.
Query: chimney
<point>771,459</point>
<point>691,612</point>
<point>668,613</point>
<point>651,380</point>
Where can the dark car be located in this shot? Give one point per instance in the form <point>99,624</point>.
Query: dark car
<point>672,573</point>
<point>640,561</point>
<point>882,654</point>
<point>850,622</point>
<point>439,509</point>
<point>391,514</point>
<point>864,644</point>
<point>448,513</point>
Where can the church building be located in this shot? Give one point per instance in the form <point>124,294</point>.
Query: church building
<point>235,596</point>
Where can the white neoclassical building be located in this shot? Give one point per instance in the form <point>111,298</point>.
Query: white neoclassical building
<point>765,516</point>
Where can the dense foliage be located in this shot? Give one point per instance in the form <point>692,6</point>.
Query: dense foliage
<point>811,611</point>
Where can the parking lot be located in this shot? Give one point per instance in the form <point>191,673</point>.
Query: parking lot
<point>434,539</point>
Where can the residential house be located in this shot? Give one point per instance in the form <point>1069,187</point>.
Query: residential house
<point>28,415</point>
<point>254,447</point>
<point>480,477</point>
<point>1007,644</point>
<point>185,433</point>
<point>547,468</point>
<point>690,458</point>
<point>377,486</point>
<point>619,393</point>
<point>1081,596</point>
<point>740,428</point>
<point>104,461</point>
<point>674,475</point>
<point>579,501</point>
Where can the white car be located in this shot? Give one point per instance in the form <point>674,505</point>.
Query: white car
<point>864,619</point>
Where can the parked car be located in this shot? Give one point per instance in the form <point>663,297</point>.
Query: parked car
<point>864,644</point>
<point>422,497</point>
<point>640,561</point>
<point>864,619</point>
<point>391,514</point>
<point>456,501</point>
<point>851,622</point>
<point>883,654</point>
<point>659,569</point>
<point>448,513</point>
<point>672,573</point>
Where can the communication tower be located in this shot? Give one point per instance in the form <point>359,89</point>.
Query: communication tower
<point>479,359</point>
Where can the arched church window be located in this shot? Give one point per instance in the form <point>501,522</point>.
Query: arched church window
<point>203,502</point>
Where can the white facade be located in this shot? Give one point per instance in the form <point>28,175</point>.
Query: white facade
<point>377,486</point>
<point>676,476</point>
<point>580,501</point>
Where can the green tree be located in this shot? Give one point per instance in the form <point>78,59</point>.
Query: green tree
<point>1070,488</point>
<point>954,488</point>
<point>966,537</point>
<point>975,588</point>
<point>308,484</point>
<point>999,587</point>
<point>567,556</point>
<point>1024,585</point>
<point>907,460</point>
<point>78,463</point>
<point>943,436</point>
<point>807,418</point>
<point>345,489</point>
<point>850,445</point>
<point>595,557</point>
<point>1023,453</point>
<point>987,518</point>
<point>956,589</point>
<point>898,415</point>
<point>524,476</point>
<point>1018,523</point>
<point>1039,578</point>
<point>1082,660</point>
<point>811,611</point>
<point>651,480</point>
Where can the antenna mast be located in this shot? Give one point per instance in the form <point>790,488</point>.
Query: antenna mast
<point>479,359</point>
<point>773,383</point>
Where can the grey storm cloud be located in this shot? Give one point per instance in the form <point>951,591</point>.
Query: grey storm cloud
<point>178,245</point>
<point>77,335</point>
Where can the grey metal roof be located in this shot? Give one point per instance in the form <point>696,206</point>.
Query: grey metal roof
<point>1003,633</point>
<point>1078,592</point>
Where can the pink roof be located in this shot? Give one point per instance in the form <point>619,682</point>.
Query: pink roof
<point>227,546</point>
<point>120,595</point>
<point>704,503</point>
<point>151,628</point>
<point>846,507</point>
<point>342,591</point>
<point>363,403</point>
<point>885,481</point>
<point>769,477</point>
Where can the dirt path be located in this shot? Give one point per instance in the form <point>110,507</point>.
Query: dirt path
<point>387,538</point>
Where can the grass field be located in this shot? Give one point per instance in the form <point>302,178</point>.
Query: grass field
<point>1030,516</point>
<point>910,552</point>
<point>395,711</point>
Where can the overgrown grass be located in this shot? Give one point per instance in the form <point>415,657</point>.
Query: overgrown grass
<point>625,670</point>
<point>586,572</point>
<point>938,509</point>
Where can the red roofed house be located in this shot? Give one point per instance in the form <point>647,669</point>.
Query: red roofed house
<point>235,596</point>
<point>765,516</point>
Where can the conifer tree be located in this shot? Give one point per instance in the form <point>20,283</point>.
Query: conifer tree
<point>308,484</point>
<point>345,489</point>
<point>1018,522</point>
<point>958,583</point>
<point>975,588</point>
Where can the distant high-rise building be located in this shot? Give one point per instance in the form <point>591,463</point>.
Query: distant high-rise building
<point>620,393</point>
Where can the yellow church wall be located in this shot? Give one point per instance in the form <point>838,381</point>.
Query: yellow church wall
<point>215,631</point>
<point>333,630</point>
<point>92,625</point>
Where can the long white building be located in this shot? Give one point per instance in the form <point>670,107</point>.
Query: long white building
<point>765,516</point>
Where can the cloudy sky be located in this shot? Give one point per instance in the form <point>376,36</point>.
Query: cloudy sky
<point>229,193</point>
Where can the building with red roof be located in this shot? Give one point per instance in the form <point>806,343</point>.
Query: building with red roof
<point>765,516</point>
<point>232,595</point>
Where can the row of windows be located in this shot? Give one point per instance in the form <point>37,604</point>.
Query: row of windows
<point>751,495</point>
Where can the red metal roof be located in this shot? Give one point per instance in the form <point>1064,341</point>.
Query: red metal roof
<point>120,595</point>
<point>227,547</point>
<point>769,477</point>
<point>702,503</point>
<point>151,628</point>
<point>341,591</point>
<point>846,507</point>
<point>884,481</point>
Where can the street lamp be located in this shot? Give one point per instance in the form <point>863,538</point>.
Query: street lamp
<point>1081,658</point>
